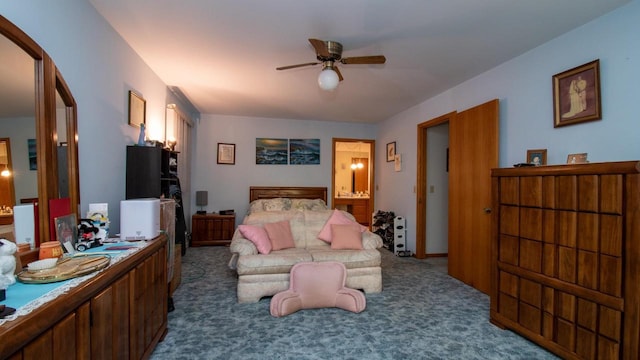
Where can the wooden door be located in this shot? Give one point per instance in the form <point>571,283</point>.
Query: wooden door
<point>473,152</point>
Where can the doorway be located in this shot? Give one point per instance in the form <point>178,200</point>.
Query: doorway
<point>7,197</point>
<point>353,177</point>
<point>473,152</point>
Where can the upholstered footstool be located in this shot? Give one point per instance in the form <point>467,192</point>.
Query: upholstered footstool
<point>315,285</point>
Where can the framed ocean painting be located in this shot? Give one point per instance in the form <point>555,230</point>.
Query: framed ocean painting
<point>304,151</point>
<point>271,151</point>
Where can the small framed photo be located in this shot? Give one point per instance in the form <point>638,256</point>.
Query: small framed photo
<point>226,154</point>
<point>576,95</point>
<point>391,151</point>
<point>537,157</point>
<point>67,232</point>
<point>580,158</point>
<point>397,162</point>
<point>137,109</point>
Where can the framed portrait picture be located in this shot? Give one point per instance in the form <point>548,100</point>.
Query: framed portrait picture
<point>576,95</point>
<point>580,158</point>
<point>226,154</point>
<point>67,232</point>
<point>537,157</point>
<point>137,109</point>
<point>397,165</point>
<point>391,151</point>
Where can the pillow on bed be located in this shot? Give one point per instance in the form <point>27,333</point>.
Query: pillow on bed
<point>280,235</point>
<point>336,218</point>
<point>256,206</point>
<point>308,204</point>
<point>278,204</point>
<point>346,237</point>
<point>258,236</point>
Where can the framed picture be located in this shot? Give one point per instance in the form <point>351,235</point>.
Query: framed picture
<point>397,165</point>
<point>304,151</point>
<point>226,154</point>
<point>576,95</point>
<point>272,151</point>
<point>137,109</point>
<point>67,232</point>
<point>537,157</point>
<point>391,151</point>
<point>580,158</point>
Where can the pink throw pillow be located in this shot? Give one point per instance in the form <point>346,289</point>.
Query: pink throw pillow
<point>336,218</point>
<point>346,237</point>
<point>280,235</point>
<point>258,236</point>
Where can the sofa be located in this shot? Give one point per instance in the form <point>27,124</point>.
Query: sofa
<point>262,274</point>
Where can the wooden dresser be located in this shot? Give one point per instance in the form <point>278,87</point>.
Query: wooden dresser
<point>360,208</point>
<point>566,257</point>
<point>121,313</point>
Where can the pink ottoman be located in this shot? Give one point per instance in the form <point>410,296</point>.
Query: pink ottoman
<point>315,285</point>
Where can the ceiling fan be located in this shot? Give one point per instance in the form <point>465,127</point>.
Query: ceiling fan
<point>328,53</point>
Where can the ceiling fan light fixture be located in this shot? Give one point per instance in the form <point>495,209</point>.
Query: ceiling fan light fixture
<point>328,79</point>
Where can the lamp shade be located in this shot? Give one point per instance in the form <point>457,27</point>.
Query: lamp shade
<point>202,198</point>
<point>328,79</point>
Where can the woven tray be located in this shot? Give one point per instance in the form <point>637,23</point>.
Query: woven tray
<point>65,269</point>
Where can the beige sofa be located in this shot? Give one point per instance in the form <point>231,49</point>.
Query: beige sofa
<point>262,275</point>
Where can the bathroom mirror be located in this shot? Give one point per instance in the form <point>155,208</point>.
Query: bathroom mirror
<point>30,84</point>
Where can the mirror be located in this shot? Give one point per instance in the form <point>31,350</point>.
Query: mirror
<point>353,177</point>
<point>31,88</point>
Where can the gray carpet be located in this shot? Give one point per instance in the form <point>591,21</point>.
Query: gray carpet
<point>422,313</point>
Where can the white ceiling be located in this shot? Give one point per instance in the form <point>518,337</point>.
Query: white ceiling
<point>222,54</point>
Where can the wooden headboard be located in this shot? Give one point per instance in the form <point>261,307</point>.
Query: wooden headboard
<point>293,192</point>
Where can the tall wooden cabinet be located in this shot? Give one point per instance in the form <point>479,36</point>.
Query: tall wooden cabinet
<point>566,257</point>
<point>150,171</point>
<point>121,313</point>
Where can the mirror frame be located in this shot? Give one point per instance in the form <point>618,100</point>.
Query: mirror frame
<point>48,80</point>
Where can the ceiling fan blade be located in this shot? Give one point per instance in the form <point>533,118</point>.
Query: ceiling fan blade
<point>296,66</point>
<point>335,68</point>
<point>376,59</point>
<point>321,47</point>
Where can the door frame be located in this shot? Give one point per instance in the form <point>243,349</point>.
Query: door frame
<point>421,181</point>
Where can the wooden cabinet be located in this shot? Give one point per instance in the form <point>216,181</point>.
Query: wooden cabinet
<point>121,313</point>
<point>566,257</point>
<point>212,229</point>
<point>150,171</point>
<point>358,207</point>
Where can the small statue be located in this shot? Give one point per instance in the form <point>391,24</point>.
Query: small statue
<point>141,137</point>
<point>7,263</point>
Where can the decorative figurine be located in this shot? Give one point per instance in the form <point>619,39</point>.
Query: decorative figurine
<point>141,136</point>
<point>7,263</point>
<point>87,235</point>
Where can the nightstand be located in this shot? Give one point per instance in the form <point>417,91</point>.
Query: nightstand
<point>212,229</point>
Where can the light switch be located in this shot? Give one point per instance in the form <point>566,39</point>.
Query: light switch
<point>432,189</point>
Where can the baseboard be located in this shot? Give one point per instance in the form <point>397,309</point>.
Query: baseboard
<point>438,255</point>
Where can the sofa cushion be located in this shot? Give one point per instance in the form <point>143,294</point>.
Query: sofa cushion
<point>280,235</point>
<point>346,237</point>
<point>337,217</point>
<point>276,262</point>
<point>350,258</point>
<point>258,236</point>
<point>296,222</point>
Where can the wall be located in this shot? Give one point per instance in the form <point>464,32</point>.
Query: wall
<point>100,68</point>
<point>228,185</point>
<point>523,86</point>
